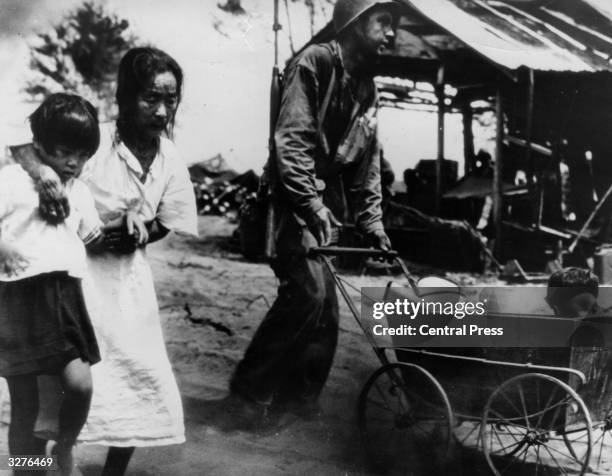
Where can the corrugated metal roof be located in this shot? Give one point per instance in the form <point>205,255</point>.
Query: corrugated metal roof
<point>546,35</point>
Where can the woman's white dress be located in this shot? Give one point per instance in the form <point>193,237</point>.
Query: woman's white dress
<point>136,401</point>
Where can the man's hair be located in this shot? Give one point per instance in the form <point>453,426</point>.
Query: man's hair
<point>137,69</point>
<point>568,282</point>
<point>66,120</point>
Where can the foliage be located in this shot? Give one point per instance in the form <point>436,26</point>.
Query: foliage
<point>80,55</point>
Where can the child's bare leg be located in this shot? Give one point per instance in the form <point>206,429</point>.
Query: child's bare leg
<point>117,461</point>
<point>23,390</point>
<point>77,385</point>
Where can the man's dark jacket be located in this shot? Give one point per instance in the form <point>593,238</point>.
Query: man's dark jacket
<point>309,172</point>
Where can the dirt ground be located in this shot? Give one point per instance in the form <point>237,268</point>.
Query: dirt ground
<point>218,285</point>
<point>211,302</point>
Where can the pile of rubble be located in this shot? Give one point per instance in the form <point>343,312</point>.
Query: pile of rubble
<point>220,190</point>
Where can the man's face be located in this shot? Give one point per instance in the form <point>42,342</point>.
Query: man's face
<point>156,105</point>
<point>376,30</point>
<point>580,305</point>
<point>65,162</point>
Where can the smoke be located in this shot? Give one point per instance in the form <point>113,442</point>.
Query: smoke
<point>23,17</point>
<point>16,14</point>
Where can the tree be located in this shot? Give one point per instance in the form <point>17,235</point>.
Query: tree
<point>80,55</point>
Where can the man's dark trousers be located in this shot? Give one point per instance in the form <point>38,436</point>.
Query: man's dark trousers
<point>290,356</point>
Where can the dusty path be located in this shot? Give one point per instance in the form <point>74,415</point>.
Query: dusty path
<point>232,295</point>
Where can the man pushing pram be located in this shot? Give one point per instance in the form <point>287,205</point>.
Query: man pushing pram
<point>326,172</point>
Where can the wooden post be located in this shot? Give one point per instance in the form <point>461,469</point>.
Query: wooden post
<point>440,157</point>
<point>528,137</point>
<point>497,174</point>
<point>468,138</point>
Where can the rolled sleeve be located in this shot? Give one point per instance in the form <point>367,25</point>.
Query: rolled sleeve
<point>177,208</point>
<point>90,225</point>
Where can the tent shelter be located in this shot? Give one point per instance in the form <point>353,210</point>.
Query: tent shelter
<point>544,65</point>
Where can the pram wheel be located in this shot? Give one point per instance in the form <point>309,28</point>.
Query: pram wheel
<point>602,440</point>
<point>539,424</point>
<point>405,419</point>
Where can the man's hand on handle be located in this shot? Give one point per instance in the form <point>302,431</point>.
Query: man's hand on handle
<point>380,240</point>
<point>320,225</point>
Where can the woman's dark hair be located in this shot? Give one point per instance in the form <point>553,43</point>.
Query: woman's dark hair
<point>137,69</point>
<point>66,120</point>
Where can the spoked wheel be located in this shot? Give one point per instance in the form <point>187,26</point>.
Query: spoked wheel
<point>602,443</point>
<point>405,419</point>
<point>527,423</point>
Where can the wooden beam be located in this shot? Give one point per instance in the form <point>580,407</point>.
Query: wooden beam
<point>540,149</point>
<point>440,157</point>
<point>498,174</point>
<point>468,138</point>
<point>528,134</point>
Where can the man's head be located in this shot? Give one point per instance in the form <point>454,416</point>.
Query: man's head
<point>65,133</point>
<point>370,23</point>
<point>572,292</point>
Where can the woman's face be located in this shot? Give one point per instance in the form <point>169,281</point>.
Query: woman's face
<point>156,105</point>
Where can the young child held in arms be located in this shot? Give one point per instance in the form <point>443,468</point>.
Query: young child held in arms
<point>44,325</point>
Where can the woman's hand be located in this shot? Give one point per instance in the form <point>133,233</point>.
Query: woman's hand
<point>136,228</point>
<point>12,262</point>
<point>123,234</point>
<point>53,203</point>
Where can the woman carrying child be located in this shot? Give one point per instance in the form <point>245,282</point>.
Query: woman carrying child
<point>44,324</point>
<point>136,169</point>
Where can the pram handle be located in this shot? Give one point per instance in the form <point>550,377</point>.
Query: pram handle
<point>346,251</point>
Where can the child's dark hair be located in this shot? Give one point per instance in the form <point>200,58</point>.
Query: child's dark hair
<point>137,69</point>
<point>66,120</point>
<point>568,282</point>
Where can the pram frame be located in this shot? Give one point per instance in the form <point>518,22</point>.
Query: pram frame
<point>533,372</point>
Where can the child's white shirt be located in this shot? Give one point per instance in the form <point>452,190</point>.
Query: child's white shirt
<point>47,248</point>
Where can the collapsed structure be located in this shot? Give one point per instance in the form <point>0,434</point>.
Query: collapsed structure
<point>544,68</point>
